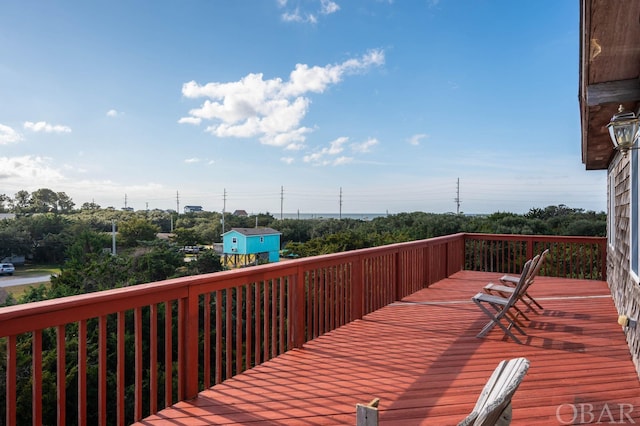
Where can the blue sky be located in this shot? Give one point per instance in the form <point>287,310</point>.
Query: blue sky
<point>390,102</point>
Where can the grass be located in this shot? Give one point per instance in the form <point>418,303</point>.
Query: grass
<point>26,271</point>
<point>29,270</point>
<point>18,290</point>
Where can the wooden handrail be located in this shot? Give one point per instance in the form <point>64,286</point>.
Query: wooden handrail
<point>197,331</point>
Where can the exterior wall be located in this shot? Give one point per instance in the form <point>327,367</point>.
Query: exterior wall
<point>228,247</point>
<point>269,244</point>
<point>274,256</point>
<point>624,288</point>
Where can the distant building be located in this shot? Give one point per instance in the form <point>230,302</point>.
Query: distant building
<point>250,246</point>
<point>240,213</point>
<point>192,209</point>
<point>16,260</point>
<point>7,216</point>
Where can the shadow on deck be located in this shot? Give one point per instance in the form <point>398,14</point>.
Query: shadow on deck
<point>420,356</point>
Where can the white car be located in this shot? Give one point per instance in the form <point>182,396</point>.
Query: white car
<point>7,268</point>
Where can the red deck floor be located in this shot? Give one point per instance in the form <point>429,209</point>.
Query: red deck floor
<point>420,356</point>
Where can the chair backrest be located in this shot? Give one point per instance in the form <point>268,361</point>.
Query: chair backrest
<point>522,285</point>
<point>494,401</point>
<point>533,268</point>
<point>530,275</point>
<point>538,264</point>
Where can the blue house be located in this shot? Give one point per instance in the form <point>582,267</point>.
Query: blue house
<point>250,246</point>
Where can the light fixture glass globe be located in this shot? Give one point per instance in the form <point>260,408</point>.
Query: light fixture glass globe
<point>623,129</point>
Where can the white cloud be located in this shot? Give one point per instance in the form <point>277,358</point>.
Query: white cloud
<point>326,156</point>
<point>114,113</point>
<point>192,160</point>
<point>271,110</point>
<point>364,146</point>
<point>342,160</point>
<point>335,147</point>
<point>325,7</point>
<point>43,126</point>
<point>417,138</point>
<point>287,160</point>
<point>328,7</point>
<point>295,16</point>
<point>8,135</point>
<point>23,172</point>
<point>190,120</point>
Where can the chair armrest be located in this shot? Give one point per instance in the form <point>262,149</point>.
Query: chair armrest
<point>509,279</point>
<point>491,287</point>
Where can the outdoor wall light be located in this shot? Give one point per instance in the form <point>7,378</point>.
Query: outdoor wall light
<point>627,322</point>
<point>623,129</point>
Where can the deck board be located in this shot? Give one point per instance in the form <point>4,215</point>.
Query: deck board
<point>420,356</point>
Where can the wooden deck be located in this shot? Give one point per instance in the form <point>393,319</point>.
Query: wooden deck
<point>420,356</point>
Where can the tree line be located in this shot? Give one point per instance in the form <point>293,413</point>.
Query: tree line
<point>46,223</point>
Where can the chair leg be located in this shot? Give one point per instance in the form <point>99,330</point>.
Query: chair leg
<point>534,301</point>
<point>495,320</point>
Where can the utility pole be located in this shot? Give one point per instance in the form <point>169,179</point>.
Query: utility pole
<point>125,201</point>
<point>177,202</point>
<point>281,200</point>
<point>224,206</point>
<point>113,237</point>
<point>457,199</point>
<point>340,215</point>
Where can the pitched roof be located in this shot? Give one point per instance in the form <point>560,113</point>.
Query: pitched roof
<point>254,231</point>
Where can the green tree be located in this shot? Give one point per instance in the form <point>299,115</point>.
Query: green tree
<point>22,202</point>
<point>206,262</point>
<point>90,206</point>
<point>155,261</point>
<point>14,241</point>
<point>65,204</point>
<point>185,237</point>
<point>5,203</point>
<point>43,200</point>
<point>136,229</point>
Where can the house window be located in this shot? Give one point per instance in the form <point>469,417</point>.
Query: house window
<point>634,226</point>
<point>234,240</point>
<point>261,240</point>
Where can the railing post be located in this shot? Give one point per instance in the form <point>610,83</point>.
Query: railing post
<point>357,295</point>
<point>530,248</point>
<point>397,276</point>
<point>190,334</point>
<point>603,253</point>
<point>297,299</point>
<point>11,391</point>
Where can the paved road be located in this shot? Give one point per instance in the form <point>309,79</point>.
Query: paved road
<point>8,281</point>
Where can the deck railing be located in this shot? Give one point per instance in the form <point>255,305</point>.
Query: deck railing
<point>569,257</point>
<point>116,356</point>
